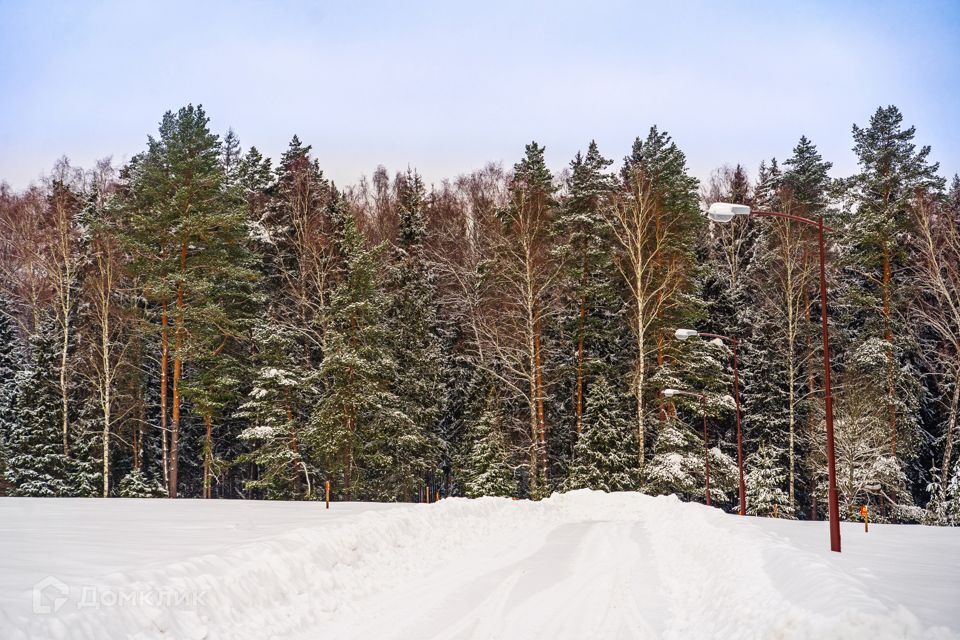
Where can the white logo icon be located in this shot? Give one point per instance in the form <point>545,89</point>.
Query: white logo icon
<point>49,595</point>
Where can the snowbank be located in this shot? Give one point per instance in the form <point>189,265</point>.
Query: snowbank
<point>577,565</point>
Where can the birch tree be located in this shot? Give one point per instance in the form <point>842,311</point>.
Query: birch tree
<point>654,219</point>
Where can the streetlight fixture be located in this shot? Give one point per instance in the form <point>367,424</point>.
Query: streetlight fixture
<point>724,212</point>
<point>683,334</point>
<point>669,393</point>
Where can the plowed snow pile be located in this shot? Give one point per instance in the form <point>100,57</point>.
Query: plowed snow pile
<point>579,565</point>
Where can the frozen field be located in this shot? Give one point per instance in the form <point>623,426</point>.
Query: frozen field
<point>580,565</point>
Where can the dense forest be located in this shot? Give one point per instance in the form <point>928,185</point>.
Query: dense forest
<point>206,322</point>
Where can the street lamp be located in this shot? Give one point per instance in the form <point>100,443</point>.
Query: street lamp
<point>683,334</point>
<point>725,212</point>
<point>669,393</point>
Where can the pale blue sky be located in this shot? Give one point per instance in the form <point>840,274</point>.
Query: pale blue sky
<point>445,87</point>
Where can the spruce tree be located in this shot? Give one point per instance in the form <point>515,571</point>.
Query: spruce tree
<point>765,481</point>
<point>605,455</point>
<point>951,508</point>
<point>37,464</point>
<point>272,411</point>
<point>769,188</point>
<point>807,179</point>
<point>591,318</point>
<point>487,470</point>
<point>11,362</point>
<point>414,326</point>
<point>137,484</point>
<point>369,447</point>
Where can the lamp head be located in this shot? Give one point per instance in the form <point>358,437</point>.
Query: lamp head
<point>669,393</point>
<point>683,334</point>
<point>725,212</point>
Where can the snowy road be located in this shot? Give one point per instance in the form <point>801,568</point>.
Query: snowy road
<point>582,565</point>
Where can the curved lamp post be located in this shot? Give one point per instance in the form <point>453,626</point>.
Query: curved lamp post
<point>724,212</point>
<point>683,334</point>
<point>669,393</point>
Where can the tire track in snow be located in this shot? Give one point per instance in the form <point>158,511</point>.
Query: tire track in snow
<point>582,579</point>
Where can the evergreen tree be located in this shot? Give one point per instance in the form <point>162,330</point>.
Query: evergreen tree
<point>487,470</point>
<point>189,238</point>
<point>782,354</point>
<point>10,365</point>
<point>767,193</point>
<point>952,498</point>
<point>591,320</point>
<point>137,484</point>
<point>369,446</point>
<point>877,227</point>
<point>765,480</point>
<point>807,179</point>
<point>413,324</point>
<point>739,187</point>
<point>85,464</point>
<point>37,465</point>
<point>605,455</point>
<point>272,410</point>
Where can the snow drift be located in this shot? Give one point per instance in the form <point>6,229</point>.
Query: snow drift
<point>583,564</point>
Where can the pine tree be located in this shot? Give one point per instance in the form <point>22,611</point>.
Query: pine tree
<point>892,172</point>
<point>37,464</point>
<point>190,243</point>
<point>878,345</point>
<point>739,187</point>
<point>765,480</point>
<point>85,465</point>
<point>605,454</point>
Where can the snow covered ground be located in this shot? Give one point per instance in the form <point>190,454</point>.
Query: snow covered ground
<point>580,565</point>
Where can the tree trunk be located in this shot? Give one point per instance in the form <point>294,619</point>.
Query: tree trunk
<point>541,417</point>
<point>178,338</point>
<point>641,371</point>
<point>581,329</point>
<point>951,426</point>
<point>164,366</point>
<point>106,380</point>
<point>207,454</point>
<point>64,395</point>
<point>888,335</point>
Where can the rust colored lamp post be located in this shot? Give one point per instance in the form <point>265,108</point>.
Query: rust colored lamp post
<point>683,334</point>
<point>669,393</point>
<point>724,212</point>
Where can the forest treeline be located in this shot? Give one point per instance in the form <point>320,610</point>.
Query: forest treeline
<point>205,322</point>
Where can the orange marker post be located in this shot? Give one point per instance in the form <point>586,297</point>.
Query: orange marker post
<point>326,489</point>
<point>865,512</point>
